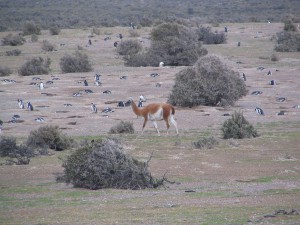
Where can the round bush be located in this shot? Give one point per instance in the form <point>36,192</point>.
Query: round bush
<point>76,63</point>
<point>238,127</point>
<point>105,165</point>
<point>208,82</point>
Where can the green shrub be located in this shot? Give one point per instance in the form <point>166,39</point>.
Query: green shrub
<point>30,28</point>
<point>13,40</point>
<point>208,37</point>
<point>5,71</point>
<point>19,155</point>
<point>238,127</point>
<point>205,142</point>
<point>274,57</point>
<point>122,127</point>
<point>15,52</point>
<point>54,30</point>
<point>105,165</point>
<point>48,136</point>
<point>35,66</point>
<point>47,46</point>
<point>7,145</point>
<point>76,63</point>
<point>129,47</point>
<point>208,82</point>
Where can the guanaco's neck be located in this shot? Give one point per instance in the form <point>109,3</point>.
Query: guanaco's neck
<point>135,109</point>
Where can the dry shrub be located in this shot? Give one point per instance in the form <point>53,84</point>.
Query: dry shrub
<point>105,165</point>
<point>206,142</point>
<point>133,33</point>
<point>238,127</point>
<point>13,40</point>
<point>30,28</point>
<point>274,57</point>
<point>7,145</point>
<point>35,66</point>
<point>75,63</point>
<point>34,38</point>
<point>208,82</point>
<point>207,36</point>
<point>129,47</point>
<point>54,30</point>
<point>47,46</point>
<point>48,136</point>
<point>122,127</point>
<point>5,71</point>
<point>15,52</point>
<point>19,155</point>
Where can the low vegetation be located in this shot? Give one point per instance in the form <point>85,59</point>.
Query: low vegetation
<point>35,66</point>
<point>237,127</point>
<point>209,82</point>
<point>106,165</point>
<point>15,52</point>
<point>205,143</point>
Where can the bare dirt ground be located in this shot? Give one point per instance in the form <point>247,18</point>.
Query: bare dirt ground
<point>238,182</point>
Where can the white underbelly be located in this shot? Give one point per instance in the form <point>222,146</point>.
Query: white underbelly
<point>157,115</point>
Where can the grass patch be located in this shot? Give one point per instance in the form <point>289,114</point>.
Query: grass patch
<point>267,179</point>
